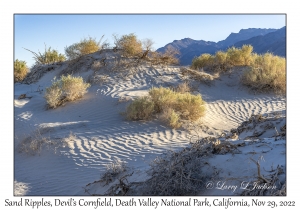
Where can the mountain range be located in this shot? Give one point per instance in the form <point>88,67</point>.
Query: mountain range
<point>262,40</point>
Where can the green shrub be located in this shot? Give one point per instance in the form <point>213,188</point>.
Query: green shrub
<point>129,44</point>
<point>20,70</point>
<point>84,47</point>
<point>67,88</point>
<point>140,109</point>
<point>266,73</point>
<point>49,56</point>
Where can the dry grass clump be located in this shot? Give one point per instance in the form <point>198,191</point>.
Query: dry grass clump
<point>67,88</point>
<point>169,57</point>
<point>20,70</point>
<point>266,73</point>
<point>34,144</point>
<point>84,47</point>
<point>173,106</point>
<point>96,65</point>
<point>198,75</point>
<point>116,172</point>
<point>49,56</point>
<point>183,88</point>
<point>113,169</point>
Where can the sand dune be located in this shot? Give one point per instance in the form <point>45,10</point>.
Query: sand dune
<point>90,133</point>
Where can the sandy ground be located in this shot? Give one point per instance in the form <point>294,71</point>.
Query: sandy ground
<point>86,135</point>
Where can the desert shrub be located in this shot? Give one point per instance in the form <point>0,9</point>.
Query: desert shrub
<point>67,88</point>
<point>223,60</point>
<point>113,171</point>
<point>20,70</point>
<point>170,117</point>
<point>147,47</point>
<point>179,172</point>
<point>129,44</point>
<point>49,56</point>
<point>191,107</point>
<point>36,142</point>
<point>173,106</point>
<point>220,61</point>
<point>204,60</point>
<point>162,98</point>
<point>234,56</point>
<point>140,109</point>
<point>266,73</point>
<point>85,46</point>
<point>247,52</point>
<point>240,56</point>
<point>169,57</point>
<point>54,95</point>
<point>220,57</point>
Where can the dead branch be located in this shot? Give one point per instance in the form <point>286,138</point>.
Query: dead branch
<point>258,171</point>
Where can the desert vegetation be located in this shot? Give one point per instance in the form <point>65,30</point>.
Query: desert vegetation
<point>20,70</point>
<point>129,44</point>
<point>36,142</point>
<point>84,47</point>
<point>49,56</point>
<point>169,57</point>
<point>67,88</point>
<point>173,107</point>
<point>265,73</point>
<point>223,60</point>
<point>140,109</point>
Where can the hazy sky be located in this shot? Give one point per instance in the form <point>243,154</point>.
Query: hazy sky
<point>59,31</point>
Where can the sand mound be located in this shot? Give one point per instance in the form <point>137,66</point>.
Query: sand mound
<point>94,133</point>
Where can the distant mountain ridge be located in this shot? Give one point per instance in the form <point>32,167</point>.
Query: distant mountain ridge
<point>262,40</point>
<point>244,34</point>
<point>274,42</point>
